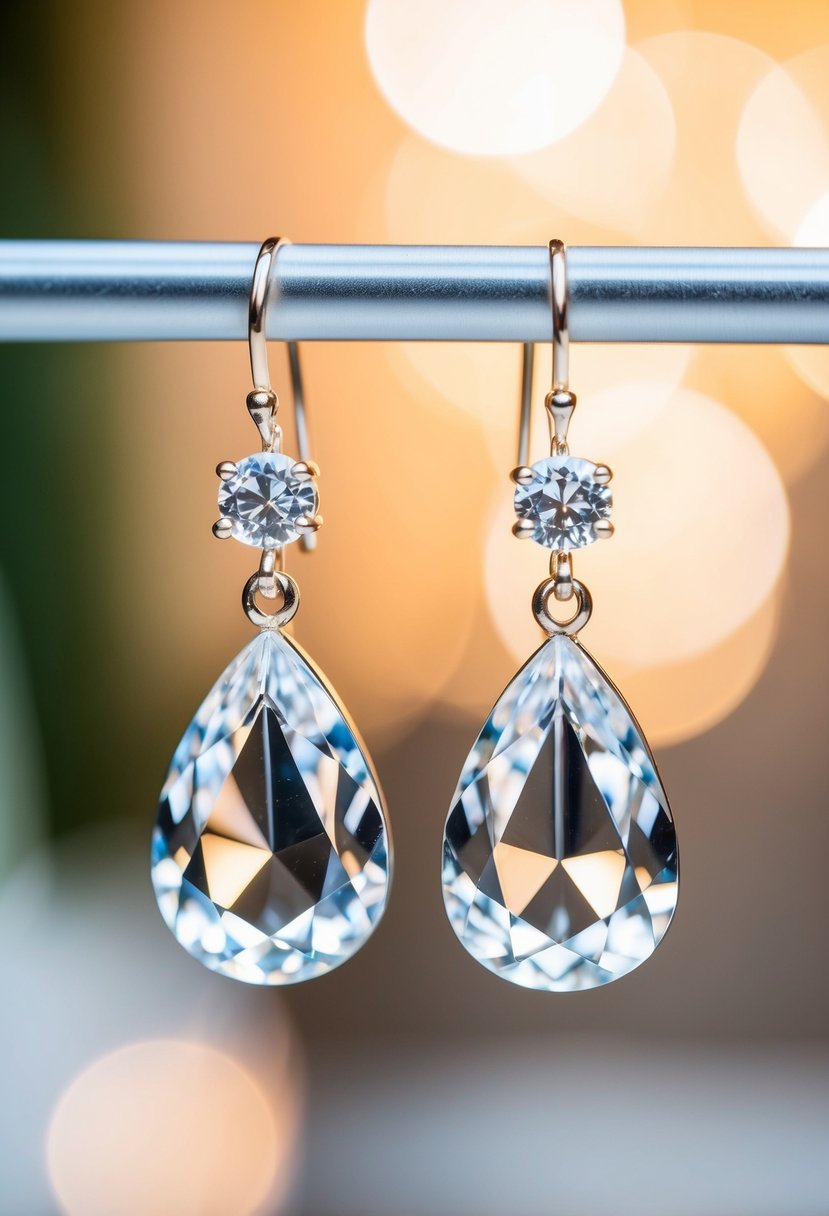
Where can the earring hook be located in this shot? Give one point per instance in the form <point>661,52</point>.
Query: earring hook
<point>560,402</point>
<point>561,327</point>
<point>263,402</point>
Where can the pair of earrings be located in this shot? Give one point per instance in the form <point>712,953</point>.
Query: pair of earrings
<point>271,855</point>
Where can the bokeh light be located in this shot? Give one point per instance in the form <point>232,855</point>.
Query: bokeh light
<point>617,163</point>
<point>676,701</point>
<point>136,1131</point>
<point>426,194</point>
<point>651,373</point>
<point>813,232</point>
<point>381,531</point>
<point>394,570</point>
<point>125,983</point>
<point>482,381</point>
<point>702,529</point>
<point>761,386</point>
<point>783,175</point>
<point>488,79</point>
<point>707,76</point>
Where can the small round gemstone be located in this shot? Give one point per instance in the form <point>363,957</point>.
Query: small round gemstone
<point>263,500</point>
<point>564,502</point>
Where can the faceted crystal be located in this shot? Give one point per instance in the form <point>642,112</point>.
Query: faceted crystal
<point>263,500</point>
<point>560,857</point>
<point>564,502</point>
<point>270,856</point>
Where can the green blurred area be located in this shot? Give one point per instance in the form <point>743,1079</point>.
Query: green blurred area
<point>56,544</point>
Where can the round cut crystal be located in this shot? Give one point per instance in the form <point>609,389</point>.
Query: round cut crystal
<point>264,500</point>
<point>564,502</point>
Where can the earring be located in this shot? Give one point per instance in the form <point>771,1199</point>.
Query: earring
<point>271,855</point>
<point>560,867</point>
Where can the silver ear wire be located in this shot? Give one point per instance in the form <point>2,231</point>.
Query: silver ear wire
<point>560,309</point>
<point>560,402</point>
<point>561,502</point>
<point>263,402</point>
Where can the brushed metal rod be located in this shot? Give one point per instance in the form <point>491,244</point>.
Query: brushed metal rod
<point>92,291</point>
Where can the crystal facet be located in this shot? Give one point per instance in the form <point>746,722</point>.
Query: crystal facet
<point>270,856</point>
<point>564,502</point>
<point>264,500</point>
<point>560,864</point>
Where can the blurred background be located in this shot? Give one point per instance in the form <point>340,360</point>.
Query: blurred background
<point>411,1081</point>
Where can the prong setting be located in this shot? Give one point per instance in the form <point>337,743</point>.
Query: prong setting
<point>226,469</point>
<point>603,529</point>
<point>307,525</point>
<point>305,470</point>
<point>223,529</point>
<point>523,529</point>
<point>603,474</point>
<point>523,475</point>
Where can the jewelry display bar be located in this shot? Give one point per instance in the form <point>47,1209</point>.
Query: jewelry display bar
<point>125,291</point>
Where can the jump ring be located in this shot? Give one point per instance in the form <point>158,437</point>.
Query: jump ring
<point>584,608</point>
<point>290,601</point>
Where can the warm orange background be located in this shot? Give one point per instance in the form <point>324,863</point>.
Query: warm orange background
<point>184,121</point>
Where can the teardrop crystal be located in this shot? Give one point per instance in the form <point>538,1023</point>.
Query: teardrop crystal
<point>271,852</point>
<point>560,864</point>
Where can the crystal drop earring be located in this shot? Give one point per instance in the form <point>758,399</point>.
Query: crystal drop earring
<point>271,855</point>
<point>560,868</point>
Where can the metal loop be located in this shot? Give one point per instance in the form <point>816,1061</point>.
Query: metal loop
<point>290,601</point>
<point>577,622</point>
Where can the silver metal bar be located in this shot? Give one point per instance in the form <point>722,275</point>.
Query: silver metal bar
<point>88,291</point>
